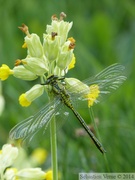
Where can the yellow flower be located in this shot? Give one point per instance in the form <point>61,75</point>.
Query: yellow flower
<point>92,96</point>
<point>89,93</point>
<point>23,101</point>
<point>72,63</point>
<point>10,173</point>
<point>8,156</point>
<point>26,98</point>
<point>49,175</point>
<point>39,155</point>
<point>5,71</point>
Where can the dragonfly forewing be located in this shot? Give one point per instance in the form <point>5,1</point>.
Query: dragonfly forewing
<point>26,129</point>
<point>107,80</point>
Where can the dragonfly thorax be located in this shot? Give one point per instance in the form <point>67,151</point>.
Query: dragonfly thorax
<point>53,79</point>
<point>58,88</point>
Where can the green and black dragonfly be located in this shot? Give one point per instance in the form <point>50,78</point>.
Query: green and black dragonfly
<point>107,80</point>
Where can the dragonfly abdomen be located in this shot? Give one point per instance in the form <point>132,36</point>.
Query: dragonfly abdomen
<point>95,140</point>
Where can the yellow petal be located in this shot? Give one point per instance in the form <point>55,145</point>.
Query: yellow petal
<point>24,45</point>
<point>23,101</point>
<point>48,175</point>
<point>5,71</point>
<point>39,155</point>
<point>72,63</point>
<point>93,95</point>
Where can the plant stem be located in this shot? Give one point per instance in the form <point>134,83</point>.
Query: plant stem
<point>1,175</point>
<point>54,148</point>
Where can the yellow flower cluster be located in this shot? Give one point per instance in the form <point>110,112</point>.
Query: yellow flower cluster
<point>53,56</point>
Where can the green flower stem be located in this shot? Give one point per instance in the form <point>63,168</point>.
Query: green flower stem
<point>54,148</point>
<point>1,175</point>
<point>53,140</point>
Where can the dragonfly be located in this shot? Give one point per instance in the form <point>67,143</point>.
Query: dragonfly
<point>107,80</point>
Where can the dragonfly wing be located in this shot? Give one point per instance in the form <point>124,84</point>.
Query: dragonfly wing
<point>107,81</point>
<point>26,129</point>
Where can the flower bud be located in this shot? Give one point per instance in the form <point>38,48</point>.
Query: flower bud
<point>34,45</point>
<point>31,173</point>
<point>7,157</point>
<point>23,73</point>
<point>65,56</point>
<point>51,47</point>
<point>36,65</point>
<point>76,86</point>
<point>61,28</point>
<point>10,174</point>
<point>26,98</point>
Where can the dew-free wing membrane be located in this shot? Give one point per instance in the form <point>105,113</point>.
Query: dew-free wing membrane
<point>26,129</point>
<point>108,81</point>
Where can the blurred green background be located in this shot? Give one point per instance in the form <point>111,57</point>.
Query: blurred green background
<point>105,34</point>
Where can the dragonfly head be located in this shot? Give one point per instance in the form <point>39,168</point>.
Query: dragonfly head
<point>53,79</point>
